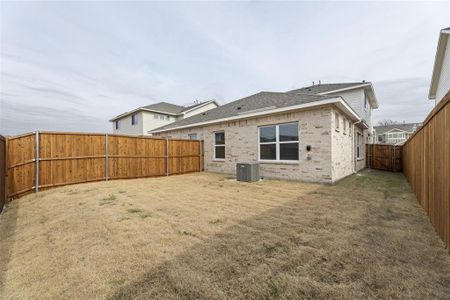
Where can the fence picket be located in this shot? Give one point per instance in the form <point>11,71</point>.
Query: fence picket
<point>42,160</point>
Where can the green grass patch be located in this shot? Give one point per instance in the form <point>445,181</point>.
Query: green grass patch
<point>134,210</point>
<point>274,290</point>
<point>108,200</point>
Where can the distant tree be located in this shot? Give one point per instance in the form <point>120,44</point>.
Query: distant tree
<point>386,122</point>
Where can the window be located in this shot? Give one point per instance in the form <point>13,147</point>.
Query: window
<point>117,124</point>
<point>358,145</point>
<point>134,119</point>
<point>192,136</point>
<point>336,120</point>
<point>219,145</point>
<point>161,117</point>
<point>279,142</point>
<point>155,116</point>
<point>167,117</point>
<point>365,102</point>
<point>380,138</point>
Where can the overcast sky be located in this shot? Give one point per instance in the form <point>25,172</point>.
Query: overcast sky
<point>73,66</point>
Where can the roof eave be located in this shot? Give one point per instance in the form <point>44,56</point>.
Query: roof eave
<point>439,58</point>
<point>373,100</point>
<point>201,105</point>
<point>142,109</point>
<point>336,100</point>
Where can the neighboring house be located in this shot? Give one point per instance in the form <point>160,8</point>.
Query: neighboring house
<point>307,135</point>
<point>396,133</point>
<point>440,81</point>
<point>140,120</point>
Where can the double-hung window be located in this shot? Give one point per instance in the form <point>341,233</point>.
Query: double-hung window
<point>134,119</point>
<point>279,142</point>
<point>117,124</point>
<point>219,145</point>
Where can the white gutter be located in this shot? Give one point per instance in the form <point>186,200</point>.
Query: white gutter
<point>337,101</point>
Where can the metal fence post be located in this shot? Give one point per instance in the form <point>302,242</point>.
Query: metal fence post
<point>167,157</point>
<point>106,157</point>
<point>36,163</point>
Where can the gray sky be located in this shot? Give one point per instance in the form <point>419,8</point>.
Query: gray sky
<point>73,66</point>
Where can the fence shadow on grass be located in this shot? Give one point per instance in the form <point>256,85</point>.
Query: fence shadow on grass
<point>343,241</point>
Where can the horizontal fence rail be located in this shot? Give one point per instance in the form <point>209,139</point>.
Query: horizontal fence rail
<point>43,160</point>
<point>426,160</point>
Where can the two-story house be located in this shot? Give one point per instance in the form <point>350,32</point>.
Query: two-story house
<point>440,80</point>
<point>316,133</point>
<point>143,119</point>
<point>395,134</point>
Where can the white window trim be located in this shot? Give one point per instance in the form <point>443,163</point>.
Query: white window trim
<point>277,143</point>
<point>214,143</point>
<point>196,137</point>
<point>117,125</point>
<point>359,139</point>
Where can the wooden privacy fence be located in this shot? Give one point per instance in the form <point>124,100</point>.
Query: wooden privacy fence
<point>384,157</point>
<point>43,160</point>
<point>426,165</point>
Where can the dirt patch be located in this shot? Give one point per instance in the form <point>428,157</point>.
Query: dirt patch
<point>205,236</point>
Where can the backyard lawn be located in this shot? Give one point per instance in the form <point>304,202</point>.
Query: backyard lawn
<point>205,235</point>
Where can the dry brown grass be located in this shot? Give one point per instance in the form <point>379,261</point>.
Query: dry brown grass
<point>206,236</point>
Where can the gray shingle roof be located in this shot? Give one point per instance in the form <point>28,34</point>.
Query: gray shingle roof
<point>165,107</point>
<point>256,102</point>
<point>326,87</point>
<point>408,127</point>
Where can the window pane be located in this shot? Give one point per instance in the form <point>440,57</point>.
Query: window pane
<point>268,151</point>
<point>220,138</point>
<point>289,132</point>
<point>289,151</point>
<point>220,152</point>
<point>267,134</point>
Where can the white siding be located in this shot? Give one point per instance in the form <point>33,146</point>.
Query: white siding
<point>200,110</point>
<point>125,126</point>
<point>150,122</point>
<point>355,98</point>
<point>444,79</point>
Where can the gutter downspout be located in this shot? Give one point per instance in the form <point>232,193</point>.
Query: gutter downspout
<point>354,145</point>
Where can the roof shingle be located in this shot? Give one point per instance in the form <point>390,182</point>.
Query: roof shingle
<point>253,103</point>
<point>327,87</point>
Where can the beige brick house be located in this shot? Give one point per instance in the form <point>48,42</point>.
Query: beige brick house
<point>300,135</point>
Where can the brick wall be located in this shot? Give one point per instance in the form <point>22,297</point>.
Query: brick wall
<point>241,145</point>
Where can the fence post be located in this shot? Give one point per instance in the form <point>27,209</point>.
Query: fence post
<point>36,163</point>
<point>167,157</point>
<point>394,167</point>
<point>106,157</point>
